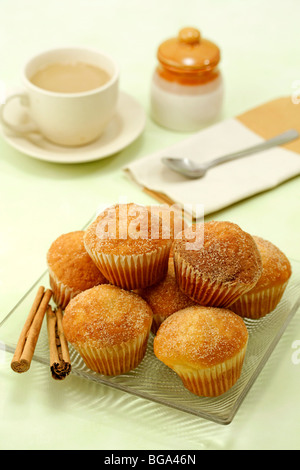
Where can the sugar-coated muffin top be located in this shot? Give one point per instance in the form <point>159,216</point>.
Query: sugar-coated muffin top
<point>223,252</point>
<point>200,337</point>
<point>165,297</point>
<point>172,218</point>
<point>127,229</point>
<point>69,261</point>
<point>276,266</point>
<point>106,315</point>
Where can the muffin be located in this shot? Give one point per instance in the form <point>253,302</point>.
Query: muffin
<point>71,269</point>
<point>109,327</point>
<point>165,298</point>
<point>216,263</point>
<point>264,297</point>
<point>129,246</point>
<point>205,346</point>
<point>171,216</point>
<point>172,219</point>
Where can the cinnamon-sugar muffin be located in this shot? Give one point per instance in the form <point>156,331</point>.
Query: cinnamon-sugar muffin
<point>109,327</point>
<point>165,298</point>
<point>205,346</point>
<point>71,269</point>
<point>129,245</point>
<point>220,265</point>
<point>172,219</point>
<point>171,216</point>
<point>264,297</point>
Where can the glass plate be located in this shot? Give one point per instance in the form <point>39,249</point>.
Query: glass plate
<point>153,380</point>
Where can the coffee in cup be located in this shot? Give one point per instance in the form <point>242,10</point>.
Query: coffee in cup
<point>70,94</point>
<point>74,77</point>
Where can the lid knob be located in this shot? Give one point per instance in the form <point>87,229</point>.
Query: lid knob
<point>188,52</point>
<point>189,36</point>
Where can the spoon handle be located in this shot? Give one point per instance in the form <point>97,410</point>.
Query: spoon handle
<point>277,140</point>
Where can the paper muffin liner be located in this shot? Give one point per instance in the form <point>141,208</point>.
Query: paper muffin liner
<point>62,294</point>
<point>204,291</point>
<point>213,381</point>
<point>258,304</point>
<point>116,359</point>
<point>133,271</point>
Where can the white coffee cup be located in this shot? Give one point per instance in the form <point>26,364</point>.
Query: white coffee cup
<point>68,119</point>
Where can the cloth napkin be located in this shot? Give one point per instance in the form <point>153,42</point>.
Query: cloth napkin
<point>224,184</point>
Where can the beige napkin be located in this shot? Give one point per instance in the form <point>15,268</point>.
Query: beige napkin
<point>230,182</point>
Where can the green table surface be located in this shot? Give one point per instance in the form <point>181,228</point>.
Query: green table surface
<point>39,201</point>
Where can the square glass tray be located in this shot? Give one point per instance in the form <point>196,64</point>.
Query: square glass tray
<point>154,381</point>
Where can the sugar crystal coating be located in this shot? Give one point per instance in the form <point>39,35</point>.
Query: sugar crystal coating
<point>127,229</point>
<point>225,253</point>
<point>200,337</point>
<point>69,261</point>
<point>106,315</point>
<point>172,218</point>
<point>165,297</point>
<point>276,266</point>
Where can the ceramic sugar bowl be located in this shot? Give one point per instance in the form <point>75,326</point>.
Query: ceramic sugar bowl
<point>187,85</point>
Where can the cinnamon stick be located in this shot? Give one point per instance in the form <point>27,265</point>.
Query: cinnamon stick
<point>30,333</point>
<point>60,363</point>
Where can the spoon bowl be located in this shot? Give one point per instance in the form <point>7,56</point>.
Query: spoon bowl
<point>185,167</point>
<point>192,170</point>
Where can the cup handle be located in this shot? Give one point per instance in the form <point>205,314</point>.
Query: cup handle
<point>19,130</point>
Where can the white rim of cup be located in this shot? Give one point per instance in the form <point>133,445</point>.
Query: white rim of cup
<point>113,79</point>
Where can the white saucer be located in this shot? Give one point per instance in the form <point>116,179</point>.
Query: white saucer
<point>127,124</point>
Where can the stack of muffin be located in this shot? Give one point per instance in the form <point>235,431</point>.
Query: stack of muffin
<point>138,269</point>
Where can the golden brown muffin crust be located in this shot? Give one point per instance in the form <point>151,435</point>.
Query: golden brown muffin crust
<point>228,254</point>
<point>165,298</point>
<point>126,229</point>
<point>70,263</point>
<point>106,315</point>
<point>200,337</point>
<point>276,266</point>
<point>171,216</point>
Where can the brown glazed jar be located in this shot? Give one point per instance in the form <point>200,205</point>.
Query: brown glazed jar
<point>187,86</point>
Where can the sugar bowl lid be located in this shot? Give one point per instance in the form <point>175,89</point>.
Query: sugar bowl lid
<point>188,52</point>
